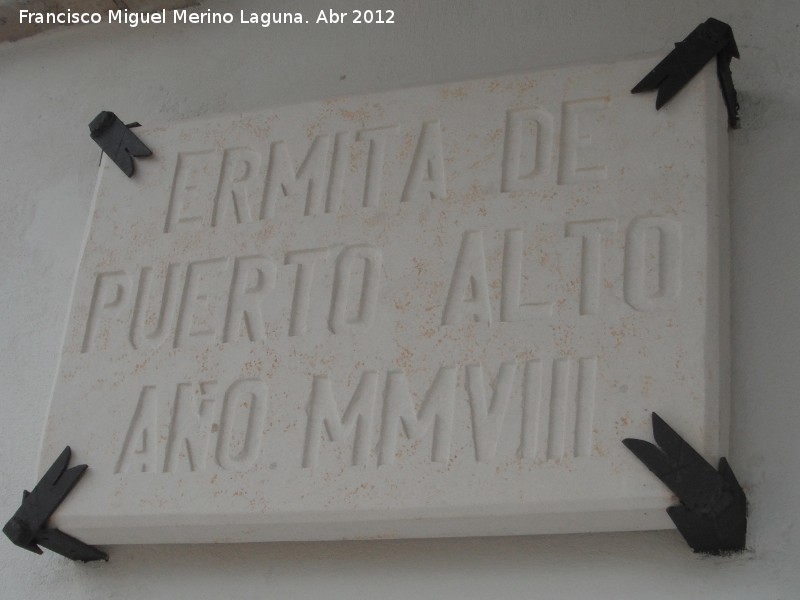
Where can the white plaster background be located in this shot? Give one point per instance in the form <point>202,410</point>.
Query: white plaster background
<point>53,84</point>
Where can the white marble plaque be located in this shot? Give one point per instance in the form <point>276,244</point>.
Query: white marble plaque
<point>429,312</point>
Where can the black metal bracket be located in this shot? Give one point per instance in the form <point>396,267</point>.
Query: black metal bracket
<point>709,39</point>
<point>712,515</point>
<point>117,140</point>
<point>28,527</point>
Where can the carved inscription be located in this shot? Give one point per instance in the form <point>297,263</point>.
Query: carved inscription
<point>338,290</point>
<point>228,300</point>
<point>423,312</point>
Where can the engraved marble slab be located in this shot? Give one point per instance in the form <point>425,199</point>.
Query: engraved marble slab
<point>429,312</point>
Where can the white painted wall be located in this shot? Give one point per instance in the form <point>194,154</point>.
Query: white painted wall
<point>52,85</point>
